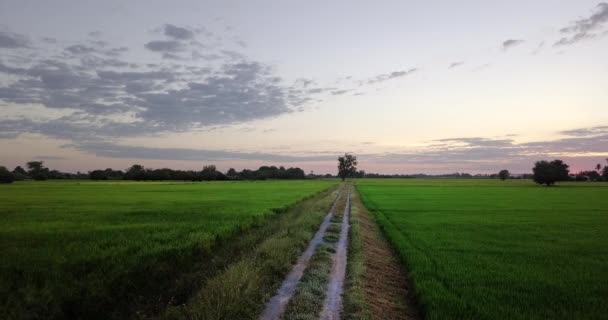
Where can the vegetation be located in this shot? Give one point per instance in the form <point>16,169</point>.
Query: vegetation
<point>355,306</point>
<point>6,176</point>
<point>347,166</point>
<point>37,170</point>
<point>504,175</point>
<point>548,173</point>
<point>103,250</point>
<point>476,249</point>
<point>257,263</point>
<point>307,301</point>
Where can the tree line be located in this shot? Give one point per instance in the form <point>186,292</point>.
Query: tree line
<point>37,171</point>
<point>544,172</point>
<point>549,172</point>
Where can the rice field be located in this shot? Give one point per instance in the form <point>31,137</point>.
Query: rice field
<point>489,249</point>
<point>103,249</point>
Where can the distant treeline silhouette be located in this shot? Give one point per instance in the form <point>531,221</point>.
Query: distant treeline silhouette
<point>544,172</point>
<point>37,171</point>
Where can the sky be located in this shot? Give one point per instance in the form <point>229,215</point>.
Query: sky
<point>407,86</point>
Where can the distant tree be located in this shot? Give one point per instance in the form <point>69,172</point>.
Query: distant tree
<point>598,167</point>
<point>548,173</point>
<point>98,175</point>
<point>347,166</point>
<point>37,170</point>
<point>19,173</point>
<point>136,172</point>
<point>605,172</point>
<point>20,170</point>
<point>6,176</point>
<point>232,174</point>
<point>209,173</point>
<point>295,173</point>
<point>504,175</point>
<point>590,175</point>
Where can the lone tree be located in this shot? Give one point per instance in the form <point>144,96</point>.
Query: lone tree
<point>504,175</point>
<point>347,166</point>
<point>548,173</point>
<point>37,170</point>
<point>6,176</point>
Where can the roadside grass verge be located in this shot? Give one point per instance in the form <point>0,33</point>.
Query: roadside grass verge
<point>355,304</point>
<point>240,289</point>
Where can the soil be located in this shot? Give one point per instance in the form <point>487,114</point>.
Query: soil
<point>386,286</point>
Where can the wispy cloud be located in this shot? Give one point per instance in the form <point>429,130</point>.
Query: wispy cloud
<point>10,40</point>
<point>455,64</point>
<point>585,28</point>
<point>389,76</point>
<point>511,43</point>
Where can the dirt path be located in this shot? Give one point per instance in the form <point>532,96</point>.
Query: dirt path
<point>276,306</point>
<point>333,299</point>
<point>386,287</point>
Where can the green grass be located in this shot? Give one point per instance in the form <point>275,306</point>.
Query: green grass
<point>355,306</point>
<point>488,249</point>
<point>103,250</point>
<point>241,289</point>
<point>307,301</point>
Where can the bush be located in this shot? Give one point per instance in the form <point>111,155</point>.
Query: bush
<point>6,176</point>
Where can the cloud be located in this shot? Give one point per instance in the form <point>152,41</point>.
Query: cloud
<point>122,151</point>
<point>586,28</point>
<point>463,153</point>
<point>510,43</point>
<point>389,76</point>
<point>456,64</point>
<point>538,48</point>
<point>586,132</point>
<point>178,33</point>
<point>80,49</point>
<point>95,34</point>
<point>489,154</point>
<point>105,97</point>
<point>11,40</point>
<point>164,46</point>
<point>339,92</point>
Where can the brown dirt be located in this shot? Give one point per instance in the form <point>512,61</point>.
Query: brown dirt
<point>386,288</point>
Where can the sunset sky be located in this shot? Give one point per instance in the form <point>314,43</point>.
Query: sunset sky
<point>407,86</point>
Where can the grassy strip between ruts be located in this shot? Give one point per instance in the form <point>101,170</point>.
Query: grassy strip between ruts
<point>308,299</point>
<point>355,305</point>
<point>241,288</point>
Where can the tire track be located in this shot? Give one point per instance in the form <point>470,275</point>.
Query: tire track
<point>332,306</point>
<point>276,306</point>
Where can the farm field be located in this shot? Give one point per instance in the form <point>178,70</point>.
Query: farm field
<point>487,249</point>
<point>96,249</point>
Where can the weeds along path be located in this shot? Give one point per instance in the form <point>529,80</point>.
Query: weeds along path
<point>378,286</point>
<point>333,298</point>
<point>276,306</point>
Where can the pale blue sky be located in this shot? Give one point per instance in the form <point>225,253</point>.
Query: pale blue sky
<point>244,83</point>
